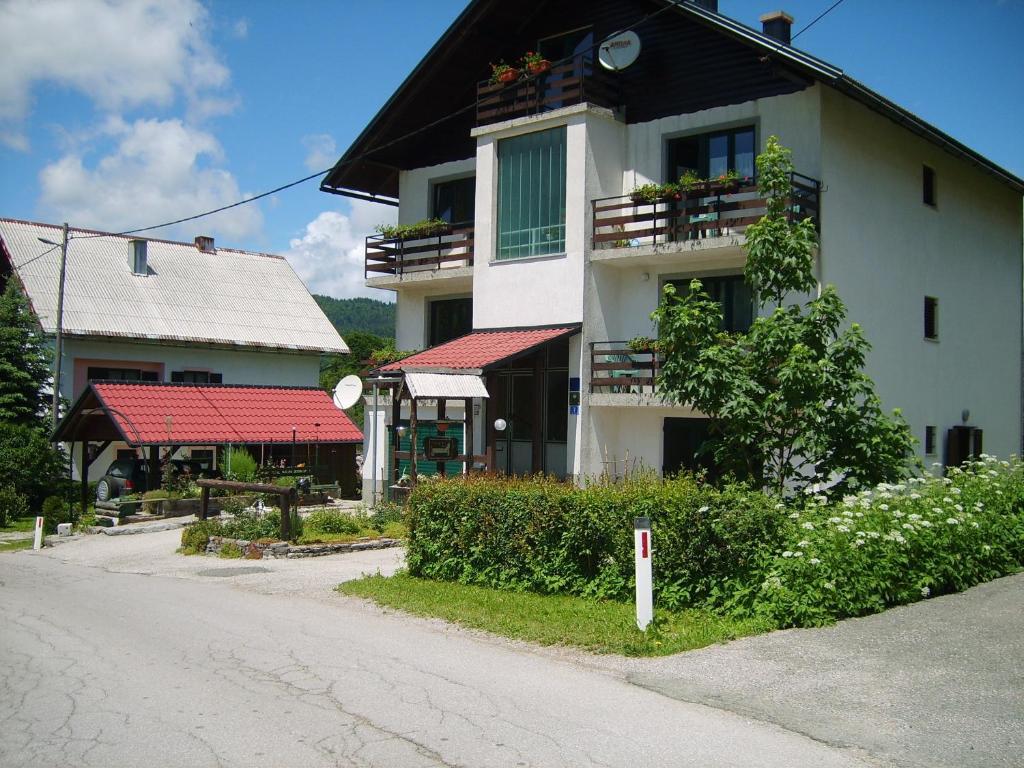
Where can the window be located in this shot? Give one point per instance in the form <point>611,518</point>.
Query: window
<point>556,423</point>
<point>449,319</point>
<point>928,185</point>
<point>531,195</point>
<point>712,154</point>
<point>734,296</point>
<point>97,373</point>
<point>931,318</point>
<point>929,441</point>
<point>455,201</point>
<point>196,377</point>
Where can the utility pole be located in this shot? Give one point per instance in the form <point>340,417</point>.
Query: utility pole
<point>60,318</point>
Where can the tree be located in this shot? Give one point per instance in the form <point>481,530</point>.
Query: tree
<point>788,401</point>
<point>361,346</point>
<point>24,361</point>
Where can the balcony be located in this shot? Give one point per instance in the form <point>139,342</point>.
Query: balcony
<point>709,216</point>
<point>615,368</point>
<point>423,256</point>
<point>575,81</point>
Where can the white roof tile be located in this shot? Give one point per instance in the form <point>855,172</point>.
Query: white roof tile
<point>228,297</point>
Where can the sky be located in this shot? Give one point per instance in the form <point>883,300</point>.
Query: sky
<point>120,114</point>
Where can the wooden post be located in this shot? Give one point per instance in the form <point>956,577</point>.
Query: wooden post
<point>286,516</point>
<point>396,416</point>
<point>441,413</point>
<point>467,441</point>
<point>537,436</point>
<point>412,441</point>
<point>204,503</point>
<point>153,476</point>
<point>85,477</point>
<point>490,433</point>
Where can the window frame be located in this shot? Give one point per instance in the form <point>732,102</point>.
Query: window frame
<point>929,186</point>
<point>683,283</point>
<point>704,137</point>
<point>931,434</point>
<point>437,184</point>
<point>431,302</point>
<point>933,302</point>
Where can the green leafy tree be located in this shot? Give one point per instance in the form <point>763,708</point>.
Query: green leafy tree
<point>30,463</point>
<point>24,361</point>
<point>788,401</point>
<point>362,346</point>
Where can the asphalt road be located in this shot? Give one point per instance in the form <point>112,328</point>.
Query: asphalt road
<point>204,668</point>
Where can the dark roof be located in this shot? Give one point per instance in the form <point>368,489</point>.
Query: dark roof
<point>370,166</point>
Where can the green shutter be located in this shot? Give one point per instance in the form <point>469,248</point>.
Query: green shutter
<point>531,194</point>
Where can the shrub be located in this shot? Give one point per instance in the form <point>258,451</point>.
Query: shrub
<point>250,526</point>
<point>331,521</point>
<point>235,505</point>
<point>386,513</point>
<point>548,536</point>
<point>30,463</point>
<point>289,481</point>
<point>243,466</point>
<point>151,500</point>
<point>195,536</point>
<point>13,505</point>
<point>230,550</point>
<point>55,510</point>
<point>893,545</point>
<point>394,531</point>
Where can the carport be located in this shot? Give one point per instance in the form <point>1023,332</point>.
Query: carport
<point>154,415</point>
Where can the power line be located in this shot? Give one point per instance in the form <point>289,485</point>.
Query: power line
<point>404,137</point>
<point>35,258</point>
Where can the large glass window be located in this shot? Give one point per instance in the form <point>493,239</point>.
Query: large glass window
<point>712,154</point>
<point>531,194</point>
<point>455,201</point>
<point>734,296</point>
<point>449,319</point>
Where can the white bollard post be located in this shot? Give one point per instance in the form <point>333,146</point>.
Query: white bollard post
<point>37,543</point>
<point>644,581</point>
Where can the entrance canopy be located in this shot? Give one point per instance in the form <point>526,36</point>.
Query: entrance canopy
<point>444,385</point>
<point>152,413</point>
<point>481,350</point>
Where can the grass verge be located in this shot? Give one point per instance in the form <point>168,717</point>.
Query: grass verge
<point>595,626</point>
<point>16,545</point>
<point>20,525</point>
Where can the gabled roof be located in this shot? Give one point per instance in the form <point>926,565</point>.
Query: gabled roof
<point>142,413</point>
<point>228,297</point>
<point>370,166</point>
<point>482,349</point>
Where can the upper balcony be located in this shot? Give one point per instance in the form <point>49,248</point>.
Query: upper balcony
<point>578,80</point>
<point>709,216</point>
<point>446,252</point>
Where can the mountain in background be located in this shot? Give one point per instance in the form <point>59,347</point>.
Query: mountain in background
<point>359,314</point>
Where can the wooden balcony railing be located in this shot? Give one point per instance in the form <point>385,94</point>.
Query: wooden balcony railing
<point>398,256</point>
<point>574,81</point>
<point>615,367</point>
<point>712,210</point>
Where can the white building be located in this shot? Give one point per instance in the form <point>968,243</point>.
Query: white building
<point>921,236</point>
<point>154,310</point>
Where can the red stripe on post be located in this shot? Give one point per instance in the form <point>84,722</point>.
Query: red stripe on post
<point>643,545</point>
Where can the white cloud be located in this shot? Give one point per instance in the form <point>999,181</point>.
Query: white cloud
<point>121,55</point>
<point>321,151</point>
<point>240,29</point>
<point>329,257</point>
<point>158,170</point>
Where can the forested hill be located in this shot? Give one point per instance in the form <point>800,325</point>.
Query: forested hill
<point>359,314</point>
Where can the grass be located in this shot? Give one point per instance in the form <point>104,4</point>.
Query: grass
<point>20,525</point>
<point>16,545</point>
<point>595,626</point>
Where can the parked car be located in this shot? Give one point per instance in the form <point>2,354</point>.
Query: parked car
<point>125,476</point>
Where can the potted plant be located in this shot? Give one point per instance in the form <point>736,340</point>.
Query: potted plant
<point>727,182</point>
<point>670,191</point>
<point>535,64</point>
<point>645,193</point>
<point>503,74</point>
<point>424,228</point>
<point>691,182</point>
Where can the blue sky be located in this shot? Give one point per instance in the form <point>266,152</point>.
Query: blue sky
<point>116,118</point>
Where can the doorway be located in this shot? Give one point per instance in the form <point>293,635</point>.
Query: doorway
<point>682,440</point>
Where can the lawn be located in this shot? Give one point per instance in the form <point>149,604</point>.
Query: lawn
<point>20,525</point>
<point>595,626</point>
<point>15,545</point>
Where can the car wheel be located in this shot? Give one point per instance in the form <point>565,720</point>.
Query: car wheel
<point>103,490</point>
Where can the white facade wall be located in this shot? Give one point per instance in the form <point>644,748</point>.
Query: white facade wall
<point>885,250</point>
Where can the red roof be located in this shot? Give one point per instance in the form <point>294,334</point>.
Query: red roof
<point>208,414</point>
<point>481,349</point>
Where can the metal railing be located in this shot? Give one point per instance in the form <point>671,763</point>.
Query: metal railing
<point>398,255</point>
<point>615,367</point>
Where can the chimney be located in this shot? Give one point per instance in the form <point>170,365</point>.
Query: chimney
<point>707,5</point>
<point>777,24</point>
<point>205,244</point>
<point>137,257</point>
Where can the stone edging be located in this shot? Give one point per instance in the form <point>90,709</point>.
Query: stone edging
<point>273,550</point>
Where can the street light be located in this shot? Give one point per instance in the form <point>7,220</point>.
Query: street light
<point>60,316</point>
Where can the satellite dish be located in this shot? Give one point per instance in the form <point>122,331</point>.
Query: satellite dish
<point>348,392</point>
<point>619,51</point>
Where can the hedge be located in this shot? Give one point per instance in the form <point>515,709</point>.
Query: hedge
<point>552,537</point>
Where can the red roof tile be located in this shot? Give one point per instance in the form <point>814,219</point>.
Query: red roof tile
<point>206,414</point>
<point>480,349</point>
